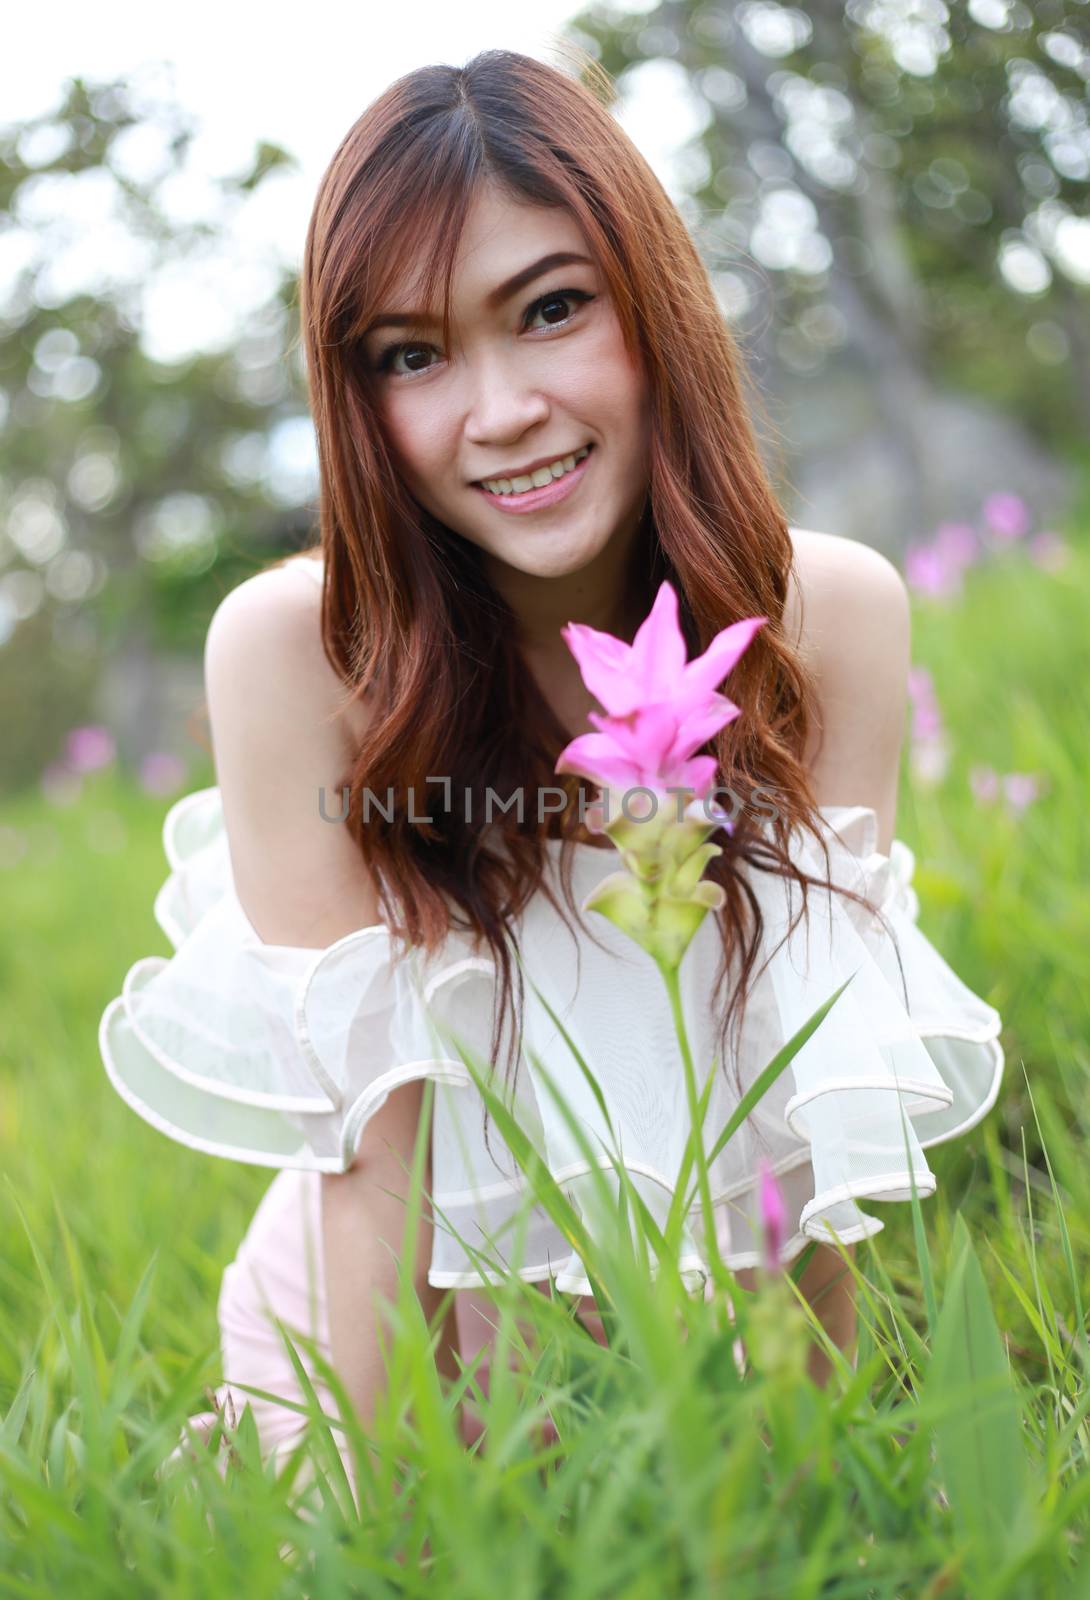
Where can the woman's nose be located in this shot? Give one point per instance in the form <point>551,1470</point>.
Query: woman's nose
<point>502,403</point>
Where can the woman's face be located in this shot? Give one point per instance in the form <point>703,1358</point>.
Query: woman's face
<point>533,376</point>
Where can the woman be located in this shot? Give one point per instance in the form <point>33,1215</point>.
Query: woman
<point>529,411</point>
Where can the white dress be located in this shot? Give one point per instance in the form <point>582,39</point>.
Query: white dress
<point>280,1055</point>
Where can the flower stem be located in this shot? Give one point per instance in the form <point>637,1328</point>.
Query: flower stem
<point>673,988</point>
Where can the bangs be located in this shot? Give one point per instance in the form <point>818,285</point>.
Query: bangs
<point>418,234</point>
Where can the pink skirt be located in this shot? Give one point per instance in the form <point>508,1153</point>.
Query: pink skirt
<point>278,1272</point>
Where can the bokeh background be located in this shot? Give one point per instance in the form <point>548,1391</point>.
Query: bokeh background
<point>891,198</point>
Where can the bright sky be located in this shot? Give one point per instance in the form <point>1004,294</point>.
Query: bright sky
<point>300,77</point>
<point>297,76</point>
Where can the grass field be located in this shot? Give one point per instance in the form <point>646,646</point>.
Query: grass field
<point>953,1461</point>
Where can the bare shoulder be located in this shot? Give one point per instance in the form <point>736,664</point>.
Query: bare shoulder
<point>849,616</point>
<point>283,745</point>
<point>836,582</point>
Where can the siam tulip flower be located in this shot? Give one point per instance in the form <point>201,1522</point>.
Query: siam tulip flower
<point>930,761</point>
<point>89,748</point>
<point>929,570</point>
<point>777,1341</point>
<point>659,710</point>
<point>957,543</point>
<point>162,773</point>
<point>1007,516</point>
<point>930,750</point>
<point>984,783</point>
<point>1049,551</point>
<point>773,1215</point>
<point>926,716</point>
<point>936,568</point>
<point>1020,789</point>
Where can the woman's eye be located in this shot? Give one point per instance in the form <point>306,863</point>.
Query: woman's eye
<point>391,353</point>
<point>559,299</point>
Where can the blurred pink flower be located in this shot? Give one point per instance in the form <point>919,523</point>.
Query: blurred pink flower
<point>162,773</point>
<point>929,570</point>
<point>773,1215</point>
<point>1020,789</point>
<point>984,783</point>
<point>89,747</point>
<point>930,761</point>
<point>1007,515</point>
<point>1049,551</point>
<point>60,785</point>
<point>930,751</point>
<point>926,716</point>
<point>957,543</point>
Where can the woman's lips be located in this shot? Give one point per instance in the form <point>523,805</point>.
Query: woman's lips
<point>535,499</point>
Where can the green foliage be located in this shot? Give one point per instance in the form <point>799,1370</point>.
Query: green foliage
<point>134,492</point>
<point>926,142</point>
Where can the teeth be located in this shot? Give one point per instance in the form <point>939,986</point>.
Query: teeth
<point>537,479</point>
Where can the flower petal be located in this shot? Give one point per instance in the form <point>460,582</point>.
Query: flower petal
<point>646,737</point>
<point>699,775</point>
<point>603,662</point>
<point>596,756</point>
<point>699,724</point>
<point>658,650</point>
<point>707,671</point>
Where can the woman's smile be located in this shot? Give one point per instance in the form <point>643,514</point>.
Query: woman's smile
<point>535,498</point>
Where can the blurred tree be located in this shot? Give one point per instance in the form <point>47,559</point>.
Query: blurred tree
<point>133,489</point>
<point>899,182</point>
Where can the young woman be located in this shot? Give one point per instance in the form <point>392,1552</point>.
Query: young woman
<point>529,411</point>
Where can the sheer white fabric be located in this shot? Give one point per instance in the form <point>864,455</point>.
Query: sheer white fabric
<point>280,1055</point>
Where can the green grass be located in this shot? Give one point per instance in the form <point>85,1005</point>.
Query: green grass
<point>952,1461</point>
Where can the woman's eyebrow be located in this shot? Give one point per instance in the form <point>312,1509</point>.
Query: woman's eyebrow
<point>493,301</point>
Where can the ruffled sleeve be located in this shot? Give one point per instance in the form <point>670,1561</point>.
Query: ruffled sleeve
<point>280,1055</point>
<point>906,1034</point>
<point>264,1053</point>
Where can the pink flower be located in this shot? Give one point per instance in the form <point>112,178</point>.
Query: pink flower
<point>161,772</point>
<point>1020,789</point>
<point>1007,515</point>
<point>773,1215</point>
<point>1049,551</point>
<point>957,543</point>
<point>929,570</point>
<point>89,747</point>
<point>930,751</point>
<point>926,716</point>
<point>659,708</point>
<point>930,760</point>
<point>984,783</point>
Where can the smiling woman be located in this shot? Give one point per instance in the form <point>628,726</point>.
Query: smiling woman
<point>558,427</point>
<point>554,370</point>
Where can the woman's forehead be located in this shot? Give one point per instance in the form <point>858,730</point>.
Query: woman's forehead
<point>499,238</point>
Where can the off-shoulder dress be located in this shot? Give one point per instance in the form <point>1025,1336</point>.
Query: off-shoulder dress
<point>279,1056</point>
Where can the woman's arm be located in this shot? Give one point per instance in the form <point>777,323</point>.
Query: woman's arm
<point>851,617</point>
<point>278,736</point>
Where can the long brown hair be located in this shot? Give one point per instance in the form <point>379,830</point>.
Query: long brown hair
<point>409,619</point>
